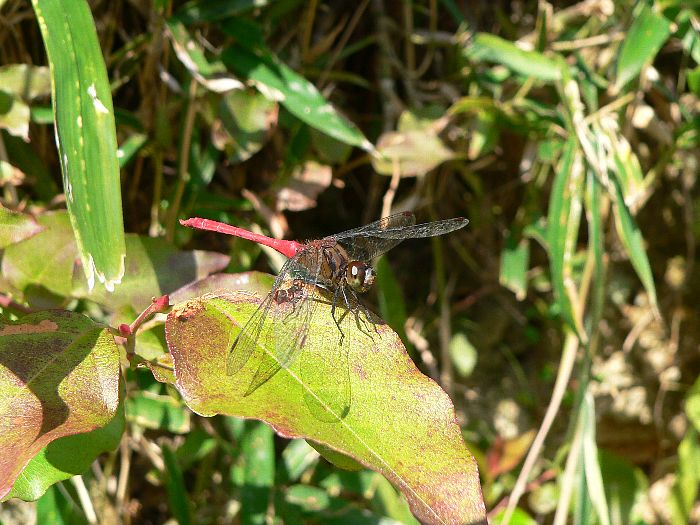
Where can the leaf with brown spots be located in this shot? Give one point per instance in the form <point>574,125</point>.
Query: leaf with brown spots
<point>59,376</point>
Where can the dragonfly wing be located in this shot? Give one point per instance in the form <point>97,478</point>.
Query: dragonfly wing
<point>291,327</point>
<point>325,373</point>
<point>246,340</point>
<point>372,241</point>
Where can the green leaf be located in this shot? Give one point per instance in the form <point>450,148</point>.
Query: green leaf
<point>246,122</point>
<point>490,48</point>
<point>391,401</point>
<point>210,73</point>
<point>625,485</point>
<point>631,238</point>
<point>685,489</point>
<point>86,136</point>
<point>67,457</point>
<point>15,227</point>
<point>158,412</point>
<point>300,97</point>
<point>692,404</point>
<point>392,304</point>
<point>175,486</point>
<point>59,375</point>
<point>515,260</point>
<point>258,456</point>
<point>55,508</point>
<point>562,233</point>
<point>643,41</point>
<point>463,354</point>
<point>298,456</point>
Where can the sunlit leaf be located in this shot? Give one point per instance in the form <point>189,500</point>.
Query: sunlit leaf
<point>645,37</point>
<point>59,375</point>
<point>490,48</point>
<point>562,233</point>
<point>299,96</point>
<point>633,241</point>
<point>391,401</point>
<point>86,136</point>
<point>67,457</point>
<point>246,121</point>
<point>515,259</point>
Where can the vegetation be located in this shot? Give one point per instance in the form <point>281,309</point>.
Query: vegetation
<point>555,337</point>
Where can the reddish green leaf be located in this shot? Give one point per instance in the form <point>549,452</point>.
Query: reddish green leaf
<point>59,376</point>
<point>400,423</point>
<point>15,227</point>
<point>66,457</point>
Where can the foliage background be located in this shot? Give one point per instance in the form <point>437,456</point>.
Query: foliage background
<point>574,155</point>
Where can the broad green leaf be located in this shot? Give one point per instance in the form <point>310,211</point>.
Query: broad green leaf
<point>490,48</point>
<point>175,486</point>
<point>246,119</point>
<point>643,41</point>
<point>15,227</point>
<point>631,238</point>
<point>391,401</point>
<point>300,97</point>
<point>59,375</point>
<point>562,233</point>
<point>515,260</point>
<point>86,136</point>
<point>67,457</point>
<point>157,412</point>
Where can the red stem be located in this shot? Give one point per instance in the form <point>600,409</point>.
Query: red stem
<point>286,248</point>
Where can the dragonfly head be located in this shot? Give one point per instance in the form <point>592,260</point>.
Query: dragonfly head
<point>359,276</point>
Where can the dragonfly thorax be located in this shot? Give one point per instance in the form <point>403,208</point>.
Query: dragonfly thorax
<point>359,276</point>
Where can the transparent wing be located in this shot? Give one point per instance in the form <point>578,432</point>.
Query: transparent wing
<point>259,323</point>
<point>325,371</point>
<point>371,241</point>
<point>291,324</point>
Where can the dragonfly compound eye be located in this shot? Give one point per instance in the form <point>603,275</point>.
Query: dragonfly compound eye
<point>360,276</point>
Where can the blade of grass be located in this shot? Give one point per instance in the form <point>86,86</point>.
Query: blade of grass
<point>85,135</point>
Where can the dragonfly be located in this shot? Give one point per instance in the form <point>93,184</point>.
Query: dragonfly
<point>335,268</point>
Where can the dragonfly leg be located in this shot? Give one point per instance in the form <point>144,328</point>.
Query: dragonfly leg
<point>335,301</point>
